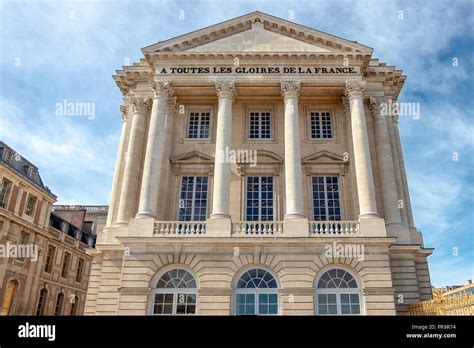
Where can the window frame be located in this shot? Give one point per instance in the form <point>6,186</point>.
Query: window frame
<point>259,107</point>
<point>79,269</point>
<point>339,191</point>
<point>319,122</point>
<point>184,125</point>
<point>42,302</point>
<point>30,209</point>
<point>5,191</point>
<point>260,125</point>
<point>256,292</point>
<point>337,118</point>
<point>58,307</point>
<point>338,292</point>
<point>49,262</point>
<point>65,265</point>
<point>193,198</point>
<point>259,200</point>
<point>175,292</point>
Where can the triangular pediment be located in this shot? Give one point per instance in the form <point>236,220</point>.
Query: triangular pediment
<point>323,157</point>
<point>193,157</point>
<point>257,32</point>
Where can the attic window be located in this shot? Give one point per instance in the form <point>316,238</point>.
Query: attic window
<point>31,172</point>
<point>7,155</point>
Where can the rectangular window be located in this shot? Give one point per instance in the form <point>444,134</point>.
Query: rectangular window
<point>245,304</point>
<point>193,198</point>
<point>259,200</point>
<point>199,124</point>
<point>350,304</point>
<point>23,240</point>
<point>65,268</point>
<point>48,266</point>
<point>327,304</point>
<point>326,198</point>
<point>260,126</point>
<point>4,192</point>
<point>320,125</point>
<point>80,269</point>
<point>30,205</point>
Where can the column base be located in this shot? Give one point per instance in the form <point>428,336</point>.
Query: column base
<point>218,227</point>
<point>141,227</point>
<point>145,215</point>
<point>372,227</point>
<point>369,215</point>
<point>295,227</point>
<point>293,216</point>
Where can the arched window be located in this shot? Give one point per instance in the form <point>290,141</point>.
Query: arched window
<point>59,304</point>
<point>8,299</point>
<point>256,293</point>
<point>337,293</point>
<point>74,305</point>
<point>42,300</point>
<point>175,294</point>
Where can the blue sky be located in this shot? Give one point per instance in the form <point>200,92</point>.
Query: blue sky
<point>68,50</point>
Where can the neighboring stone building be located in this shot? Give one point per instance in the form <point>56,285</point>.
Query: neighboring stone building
<point>90,218</point>
<point>259,172</point>
<point>44,269</point>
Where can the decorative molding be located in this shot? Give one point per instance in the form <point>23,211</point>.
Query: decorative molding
<point>225,88</point>
<point>290,88</point>
<point>139,104</point>
<point>161,89</point>
<point>354,89</point>
<point>124,111</point>
<point>346,106</point>
<point>172,105</point>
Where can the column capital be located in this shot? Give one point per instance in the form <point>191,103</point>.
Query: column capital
<point>161,89</point>
<point>124,111</point>
<point>290,88</point>
<point>225,88</point>
<point>139,104</point>
<point>354,89</point>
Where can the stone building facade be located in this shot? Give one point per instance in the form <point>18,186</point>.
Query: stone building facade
<point>44,269</point>
<point>258,172</point>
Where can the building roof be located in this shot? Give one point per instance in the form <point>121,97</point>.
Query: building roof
<point>21,166</point>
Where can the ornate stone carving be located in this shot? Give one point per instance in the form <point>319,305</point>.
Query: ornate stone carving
<point>124,111</point>
<point>172,105</point>
<point>225,88</point>
<point>161,89</point>
<point>346,106</point>
<point>139,104</point>
<point>354,89</point>
<point>290,88</point>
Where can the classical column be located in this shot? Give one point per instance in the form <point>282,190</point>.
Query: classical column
<point>115,194</point>
<point>163,204</point>
<point>154,150</point>
<point>293,182</point>
<point>385,164</point>
<point>221,189</point>
<point>131,174</point>
<point>363,163</point>
<point>406,193</point>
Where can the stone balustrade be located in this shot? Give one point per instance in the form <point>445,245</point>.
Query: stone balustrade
<point>334,228</point>
<point>179,228</point>
<point>257,228</point>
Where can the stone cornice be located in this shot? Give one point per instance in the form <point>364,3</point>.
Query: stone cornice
<point>290,88</point>
<point>225,88</point>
